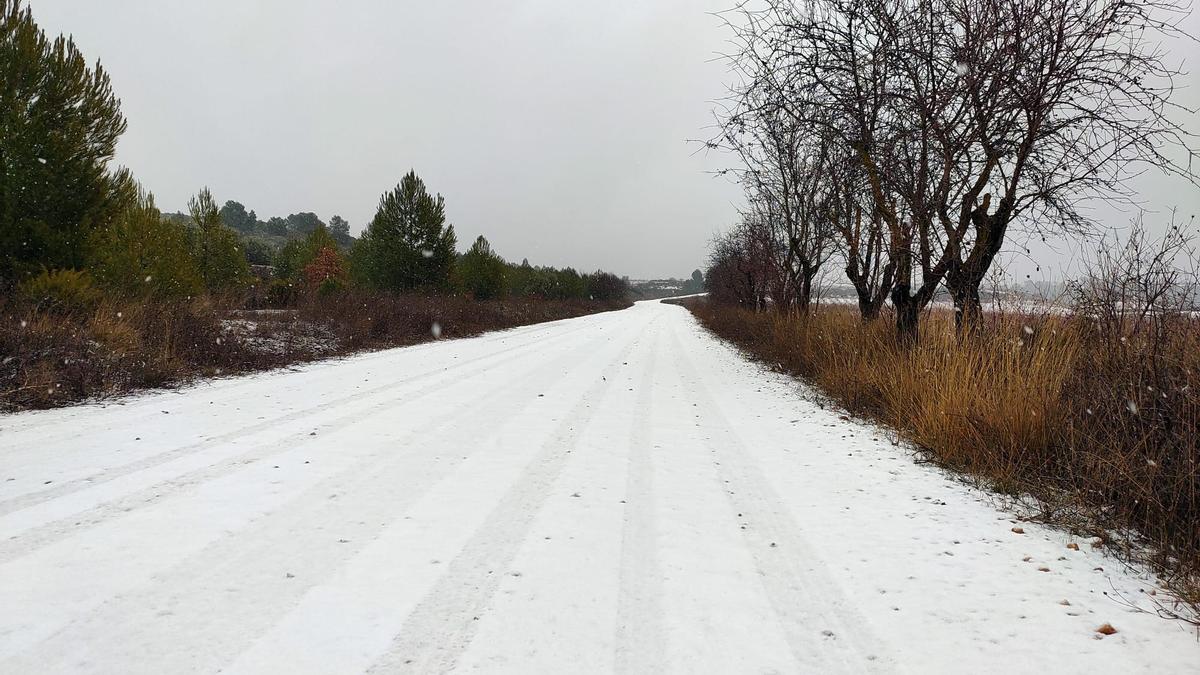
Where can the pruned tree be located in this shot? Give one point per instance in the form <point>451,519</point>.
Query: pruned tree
<point>966,117</point>
<point>861,238</point>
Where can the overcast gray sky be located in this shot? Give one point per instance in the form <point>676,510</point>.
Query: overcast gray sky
<point>557,129</point>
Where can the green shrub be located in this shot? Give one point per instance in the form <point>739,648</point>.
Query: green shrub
<point>215,248</point>
<point>66,291</point>
<point>282,293</point>
<point>331,286</point>
<point>141,254</point>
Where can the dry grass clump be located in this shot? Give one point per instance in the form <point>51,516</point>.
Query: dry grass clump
<point>1103,430</point>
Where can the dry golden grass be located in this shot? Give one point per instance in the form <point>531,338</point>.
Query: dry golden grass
<point>1103,431</point>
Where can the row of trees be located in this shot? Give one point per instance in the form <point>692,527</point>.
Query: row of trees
<point>409,246</point>
<point>906,138</point>
<point>68,221</point>
<point>235,216</point>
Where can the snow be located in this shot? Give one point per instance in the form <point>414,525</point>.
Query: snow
<point>271,334</point>
<point>613,492</point>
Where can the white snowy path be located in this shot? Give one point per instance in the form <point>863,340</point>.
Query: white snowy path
<point>619,492</point>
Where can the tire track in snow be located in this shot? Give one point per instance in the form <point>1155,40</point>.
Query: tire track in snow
<point>441,626</point>
<point>371,493</point>
<point>24,501</point>
<point>63,489</point>
<point>823,630</point>
<point>47,533</point>
<point>639,642</point>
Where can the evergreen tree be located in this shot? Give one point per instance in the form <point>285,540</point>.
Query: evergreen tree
<point>140,253</point>
<point>482,271</point>
<point>339,229</point>
<point>59,125</point>
<point>257,251</point>
<point>606,286</point>
<point>215,247</point>
<point>408,244</point>
<point>276,227</point>
<point>303,222</point>
<point>234,215</point>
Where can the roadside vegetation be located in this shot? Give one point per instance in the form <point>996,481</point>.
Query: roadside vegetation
<point>901,144</point>
<point>101,292</point>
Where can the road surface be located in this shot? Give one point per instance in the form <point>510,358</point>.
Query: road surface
<point>613,493</point>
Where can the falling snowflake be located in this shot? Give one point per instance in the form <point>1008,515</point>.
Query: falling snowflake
<point>428,253</point>
<point>1132,406</point>
<point>436,330</point>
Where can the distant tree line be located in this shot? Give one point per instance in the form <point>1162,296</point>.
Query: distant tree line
<point>71,226</point>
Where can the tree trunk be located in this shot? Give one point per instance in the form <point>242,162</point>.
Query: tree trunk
<point>908,313</point>
<point>968,308</point>
<point>804,290</point>
<point>965,277</point>
<point>868,308</point>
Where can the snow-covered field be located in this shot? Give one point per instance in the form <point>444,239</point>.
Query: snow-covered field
<point>618,492</point>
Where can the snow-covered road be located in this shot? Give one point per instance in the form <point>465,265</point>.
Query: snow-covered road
<point>619,492</point>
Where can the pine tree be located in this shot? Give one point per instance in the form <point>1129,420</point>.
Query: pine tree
<point>408,244</point>
<point>215,247</point>
<point>59,124</point>
<point>339,229</point>
<point>141,253</point>
<point>483,272</point>
<point>234,215</point>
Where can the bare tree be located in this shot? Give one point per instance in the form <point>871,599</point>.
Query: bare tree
<point>787,195</point>
<point>740,270</point>
<point>860,233</point>
<point>965,117</point>
<point>1067,98</point>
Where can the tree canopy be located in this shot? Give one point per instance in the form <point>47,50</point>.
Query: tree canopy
<point>215,247</point>
<point>58,131</point>
<point>408,243</point>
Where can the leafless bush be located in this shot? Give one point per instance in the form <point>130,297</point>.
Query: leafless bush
<point>1139,288</point>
